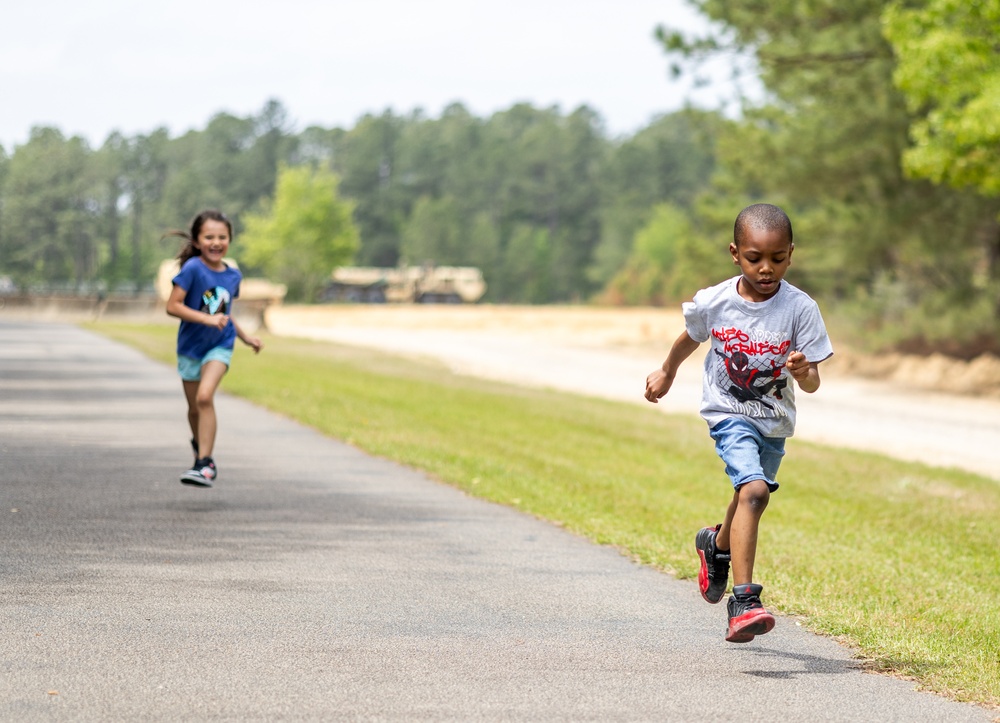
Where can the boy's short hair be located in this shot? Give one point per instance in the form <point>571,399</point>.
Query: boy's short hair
<point>764,217</point>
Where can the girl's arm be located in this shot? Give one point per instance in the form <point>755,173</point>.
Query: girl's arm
<point>659,382</point>
<point>250,341</point>
<point>176,307</point>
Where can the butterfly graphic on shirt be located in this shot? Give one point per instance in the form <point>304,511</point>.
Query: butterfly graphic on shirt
<point>216,301</point>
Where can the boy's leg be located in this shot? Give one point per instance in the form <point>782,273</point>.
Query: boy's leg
<point>747,616</point>
<point>739,530</point>
<point>722,540</point>
<point>211,376</point>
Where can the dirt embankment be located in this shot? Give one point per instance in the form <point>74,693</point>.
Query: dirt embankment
<point>979,377</point>
<point>633,329</point>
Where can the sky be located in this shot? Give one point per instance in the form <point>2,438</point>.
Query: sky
<point>91,68</point>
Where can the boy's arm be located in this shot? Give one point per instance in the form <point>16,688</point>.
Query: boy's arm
<point>804,372</point>
<point>659,382</point>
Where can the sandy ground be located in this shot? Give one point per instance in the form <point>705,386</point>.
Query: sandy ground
<point>608,353</point>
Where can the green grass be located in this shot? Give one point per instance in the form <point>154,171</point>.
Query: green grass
<point>900,561</point>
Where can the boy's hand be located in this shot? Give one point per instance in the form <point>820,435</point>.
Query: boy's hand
<point>797,365</point>
<point>657,385</point>
<point>804,372</point>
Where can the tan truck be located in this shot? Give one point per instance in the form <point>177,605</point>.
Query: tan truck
<point>406,284</point>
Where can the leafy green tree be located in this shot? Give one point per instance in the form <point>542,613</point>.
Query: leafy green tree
<point>4,168</point>
<point>303,234</point>
<point>485,250</point>
<point>318,147</point>
<point>49,220</point>
<point>367,163</point>
<point>827,143</point>
<point>670,161</point>
<point>231,165</point>
<point>110,163</point>
<point>540,170</point>
<point>527,268</point>
<point>461,140</point>
<point>433,234</point>
<point>145,172</point>
<point>949,68</point>
<point>670,260</point>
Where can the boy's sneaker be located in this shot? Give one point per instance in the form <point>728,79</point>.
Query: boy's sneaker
<point>747,616</point>
<point>203,473</point>
<point>714,573</point>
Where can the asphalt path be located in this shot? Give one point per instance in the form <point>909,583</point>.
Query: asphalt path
<point>317,583</point>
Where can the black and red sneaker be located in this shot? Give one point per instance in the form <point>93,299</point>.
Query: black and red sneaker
<point>713,576</point>
<point>747,616</point>
<point>203,474</point>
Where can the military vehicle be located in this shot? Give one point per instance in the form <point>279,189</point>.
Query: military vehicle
<point>406,284</point>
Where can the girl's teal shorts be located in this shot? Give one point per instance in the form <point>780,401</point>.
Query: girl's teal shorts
<point>190,368</point>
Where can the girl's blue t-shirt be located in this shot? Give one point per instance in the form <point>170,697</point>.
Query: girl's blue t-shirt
<point>212,292</point>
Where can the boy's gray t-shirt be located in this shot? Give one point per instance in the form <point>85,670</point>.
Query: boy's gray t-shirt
<point>745,371</point>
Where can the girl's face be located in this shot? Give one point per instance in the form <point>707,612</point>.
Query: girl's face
<point>213,242</point>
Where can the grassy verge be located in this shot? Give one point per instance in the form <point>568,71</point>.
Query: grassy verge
<point>901,561</point>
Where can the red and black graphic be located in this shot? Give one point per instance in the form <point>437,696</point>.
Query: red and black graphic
<point>745,379</point>
<point>752,363</point>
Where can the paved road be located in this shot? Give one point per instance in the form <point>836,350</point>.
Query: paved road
<point>316,583</point>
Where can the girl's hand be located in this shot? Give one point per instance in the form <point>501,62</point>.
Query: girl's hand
<point>217,321</point>
<point>254,343</point>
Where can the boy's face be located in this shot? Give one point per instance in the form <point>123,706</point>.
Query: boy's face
<point>763,257</point>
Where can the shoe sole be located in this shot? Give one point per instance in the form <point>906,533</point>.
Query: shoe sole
<point>703,581</point>
<point>200,482</point>
<point>744,629</point>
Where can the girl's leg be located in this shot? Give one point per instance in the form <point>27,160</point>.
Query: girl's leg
<point>204,403</point>
<point>191,395</point>
<point>739,530</point>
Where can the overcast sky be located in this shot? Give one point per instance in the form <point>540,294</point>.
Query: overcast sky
<point>95,66</point>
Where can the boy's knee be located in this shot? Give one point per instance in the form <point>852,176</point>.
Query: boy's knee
<point>755,494</point>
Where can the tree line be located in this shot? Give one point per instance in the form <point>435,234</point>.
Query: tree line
<point>862,137</point>
<point>544,202</point>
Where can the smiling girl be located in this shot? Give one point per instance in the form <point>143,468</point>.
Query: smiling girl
<point>202,297</point>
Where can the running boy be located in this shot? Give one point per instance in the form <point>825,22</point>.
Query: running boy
<point>762,330</point>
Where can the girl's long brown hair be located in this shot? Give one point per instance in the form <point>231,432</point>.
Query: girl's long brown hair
<point>189,251</point>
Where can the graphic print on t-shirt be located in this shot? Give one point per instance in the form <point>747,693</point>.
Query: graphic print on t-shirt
<point>215,301</point>
<point>748,367</point>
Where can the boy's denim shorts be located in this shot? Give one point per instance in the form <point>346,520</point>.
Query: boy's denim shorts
<point>190,368</point>
<point>748,454</point>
